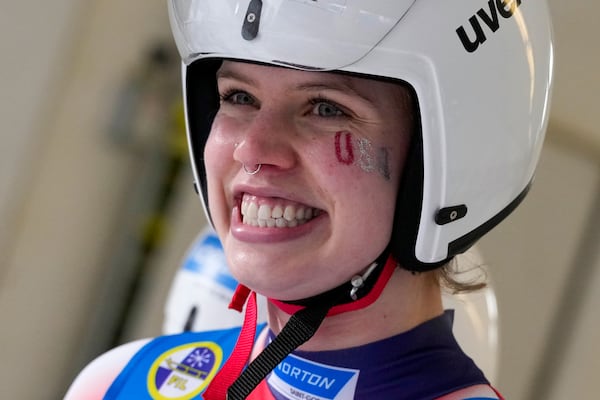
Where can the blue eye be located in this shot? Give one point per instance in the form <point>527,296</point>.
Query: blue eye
<point>238,97</point>
<point>326,109</point>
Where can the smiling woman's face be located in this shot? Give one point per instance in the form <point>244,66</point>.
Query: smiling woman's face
<point>331,150</point>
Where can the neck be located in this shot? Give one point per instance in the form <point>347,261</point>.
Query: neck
<point>407,301</point>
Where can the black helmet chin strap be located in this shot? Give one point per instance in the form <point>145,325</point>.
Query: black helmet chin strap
<point>299,329</point>
<point>301,326</point>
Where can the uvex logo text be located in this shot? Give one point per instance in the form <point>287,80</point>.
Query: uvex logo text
<point>491,18</point>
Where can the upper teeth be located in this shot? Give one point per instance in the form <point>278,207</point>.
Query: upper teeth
<point>280,216</point>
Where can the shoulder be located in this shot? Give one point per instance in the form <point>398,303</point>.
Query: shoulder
<point>95,379</point>
<point>477,392</point>
<point>125,372</point>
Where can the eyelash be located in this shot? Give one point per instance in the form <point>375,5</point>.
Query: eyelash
<point>333,104</point>
<point>227,95</point>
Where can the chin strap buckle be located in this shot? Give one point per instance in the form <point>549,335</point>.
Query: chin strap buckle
<point>358,281</point>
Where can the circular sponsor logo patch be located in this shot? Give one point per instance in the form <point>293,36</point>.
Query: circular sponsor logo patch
<point>181,373</point>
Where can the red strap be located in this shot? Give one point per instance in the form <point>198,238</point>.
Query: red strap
<point>217,389</point>
<point>364,302</point>
<point>262,392</point>
<point>239,298</point>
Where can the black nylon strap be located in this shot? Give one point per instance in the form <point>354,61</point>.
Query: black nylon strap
<point>300,327</point>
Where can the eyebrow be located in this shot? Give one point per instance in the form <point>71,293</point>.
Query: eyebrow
<point>341,83</point>
<point>230,74</point>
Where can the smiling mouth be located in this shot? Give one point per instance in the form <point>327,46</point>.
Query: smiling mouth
<point>275,213</point>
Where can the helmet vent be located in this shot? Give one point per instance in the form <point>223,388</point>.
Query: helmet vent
<point>252,20</point>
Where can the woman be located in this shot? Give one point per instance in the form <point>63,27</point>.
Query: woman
<point>346,152</point>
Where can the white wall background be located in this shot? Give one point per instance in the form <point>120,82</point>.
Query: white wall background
<point>65,187</point>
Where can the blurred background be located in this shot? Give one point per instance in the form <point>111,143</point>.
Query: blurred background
<point>97,206</point>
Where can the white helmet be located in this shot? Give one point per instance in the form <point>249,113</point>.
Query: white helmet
<point>480,72</point>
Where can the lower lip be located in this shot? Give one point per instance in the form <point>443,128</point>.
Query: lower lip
<point>255,234</point>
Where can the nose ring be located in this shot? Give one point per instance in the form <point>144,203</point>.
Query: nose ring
<point>252,172</point>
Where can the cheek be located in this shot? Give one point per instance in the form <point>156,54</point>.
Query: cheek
<point>356,172</point>
<point>362,181</point>
<point>362,153</point>
<point>217,158</point>
<point>218,150</point>
<point>364,173</point>
<point>214,153</point>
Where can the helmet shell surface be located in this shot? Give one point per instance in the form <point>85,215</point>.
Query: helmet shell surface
<point>480,71</point>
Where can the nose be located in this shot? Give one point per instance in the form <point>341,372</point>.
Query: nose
<point>267,140</point>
